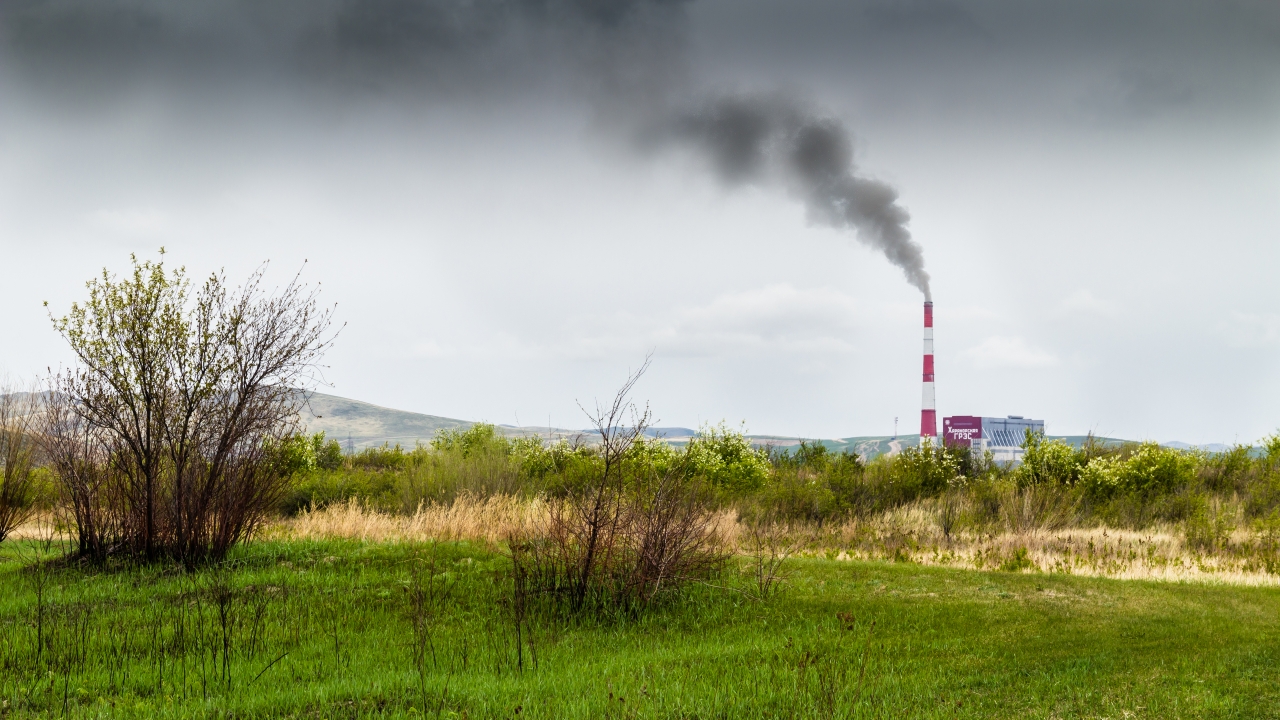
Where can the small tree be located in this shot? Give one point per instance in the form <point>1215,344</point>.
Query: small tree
<point>162,435</point>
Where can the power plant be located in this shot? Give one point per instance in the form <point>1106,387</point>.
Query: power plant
<point>1002,437</point>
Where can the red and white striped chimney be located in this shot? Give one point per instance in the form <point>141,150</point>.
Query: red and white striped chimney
<point>928,412</point>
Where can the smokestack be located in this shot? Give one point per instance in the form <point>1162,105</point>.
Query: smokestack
<point>928,412</point>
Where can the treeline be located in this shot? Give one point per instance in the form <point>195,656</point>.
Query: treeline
<point>1129,485</point>
<point>482,461</point>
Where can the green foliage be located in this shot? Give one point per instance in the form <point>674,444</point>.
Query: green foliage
<point>1149,471</point>
<point>1271,446</point>
<point>814,484</point>
<point>727,459</point>
<point>541,463</point>
<point>479,438</point>
<point>796,495</point>
<point>1048,461</point>
<point>478,460</point>
<point>328,454</point>
<point>299,454</point>
<point>293,455</point>
<point>1124,486</point>
<point>1209,524</point>
<point>927,469</point>
<point>1262,497</point>
<point>1232,470</point>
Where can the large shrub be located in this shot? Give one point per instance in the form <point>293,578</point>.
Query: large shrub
<point>926,470</point>
<point>301,454</point>
<point>727,459</point>
<point>813,483</point>
<point>1048,461</point>
<point>1233,470</point>
<point>1149,471</point>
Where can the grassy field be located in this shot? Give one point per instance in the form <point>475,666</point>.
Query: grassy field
<point>347,629</point>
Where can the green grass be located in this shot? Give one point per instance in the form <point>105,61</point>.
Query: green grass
<point>326,630</point>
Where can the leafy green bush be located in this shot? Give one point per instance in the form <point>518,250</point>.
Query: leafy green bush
<point>550,465</point>
<point>325,487</point>
<point>1151,470</point>
<point>926,470</point>
<point>793,494</point>
<point>812,483</point>
<point>1048,461</point>
<point>1262,497</point>
<point>727,459</point>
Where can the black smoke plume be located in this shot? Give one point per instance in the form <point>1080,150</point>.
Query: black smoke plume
<point>761,139</point>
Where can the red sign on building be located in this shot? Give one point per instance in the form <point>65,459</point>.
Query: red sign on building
<point>961,430</point>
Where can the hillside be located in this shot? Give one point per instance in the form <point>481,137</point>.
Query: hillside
<point>366,425</point>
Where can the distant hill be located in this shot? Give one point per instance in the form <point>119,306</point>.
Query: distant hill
<point>369,425</point>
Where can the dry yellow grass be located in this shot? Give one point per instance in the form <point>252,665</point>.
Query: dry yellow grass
<point>908,534</point>
<point>911,533</point>
<point>491,520</point>
<point>40,526</point>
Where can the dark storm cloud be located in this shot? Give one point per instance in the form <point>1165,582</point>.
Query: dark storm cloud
<point>388,45</point>
<point>1142,59</point>
<point>755,139</point>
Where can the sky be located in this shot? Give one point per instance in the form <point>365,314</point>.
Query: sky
<point>513,202</point>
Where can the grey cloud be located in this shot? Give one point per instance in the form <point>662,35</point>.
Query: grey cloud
<point>924,16</point>
<point>1008,61</point>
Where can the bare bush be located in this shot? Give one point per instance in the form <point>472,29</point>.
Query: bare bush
<point>163,436</point>
<point>671,536</point>
<point>623,530</point>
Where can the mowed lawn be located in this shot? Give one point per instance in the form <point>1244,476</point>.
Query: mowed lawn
<point>340,629</point>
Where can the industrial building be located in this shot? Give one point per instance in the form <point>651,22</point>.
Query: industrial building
<point>1002,437</point>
